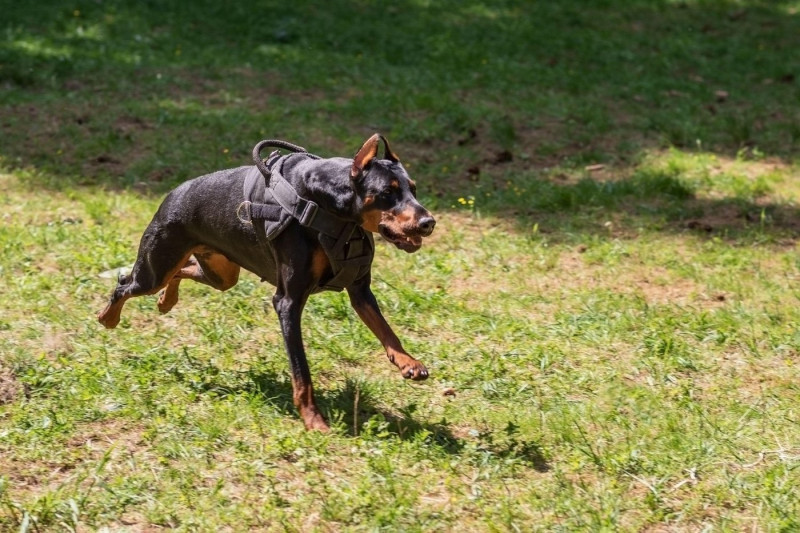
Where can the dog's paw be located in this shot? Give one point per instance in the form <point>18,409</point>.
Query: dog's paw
<point>415,371</point>
<point>315,422</point>
<point>167,299</point>
<point>109,317</point>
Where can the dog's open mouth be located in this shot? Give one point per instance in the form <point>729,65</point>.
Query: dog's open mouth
<point>407,243</point>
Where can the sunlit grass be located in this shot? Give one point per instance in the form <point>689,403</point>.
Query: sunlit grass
<point>607,306</point>
<point>616,368</point>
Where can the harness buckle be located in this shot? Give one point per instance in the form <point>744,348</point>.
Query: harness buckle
<point>306,218</point>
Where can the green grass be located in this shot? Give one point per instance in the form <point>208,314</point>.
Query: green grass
<point>607,307</point>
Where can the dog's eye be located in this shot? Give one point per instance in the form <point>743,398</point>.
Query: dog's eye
<point>386,193</point>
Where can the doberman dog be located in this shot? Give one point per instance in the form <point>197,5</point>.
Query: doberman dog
<point>199,233</point>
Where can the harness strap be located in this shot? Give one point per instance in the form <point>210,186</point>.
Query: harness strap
<point>349,248</point>
<point>346,271</point>
<point>308,213</point>
<point>264,211</point>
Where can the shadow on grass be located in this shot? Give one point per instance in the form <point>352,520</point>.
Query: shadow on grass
<point>361,413</point>
<point>652,199</point>
<point>360,408</point>
<point>142,96</point>
<point>123,94</point>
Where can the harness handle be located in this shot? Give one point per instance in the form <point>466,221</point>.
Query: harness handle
<point>275,143</point>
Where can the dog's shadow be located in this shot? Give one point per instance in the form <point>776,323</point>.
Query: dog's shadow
<point>357,409</point>
<point>361,414</point>
<point>352,406</point>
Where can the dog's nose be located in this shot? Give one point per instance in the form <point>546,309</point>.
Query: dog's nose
<point>426,224</point>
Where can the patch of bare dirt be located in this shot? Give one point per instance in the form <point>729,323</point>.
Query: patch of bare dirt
<point>756,378</point>
<point>658,287</point>
<point>751,169</point>
<point>126,125</point>
<point>94,441</point>
<point>131,522</point>
<point>720,217</point>
<point>544,144</point>
<point>10,388</point>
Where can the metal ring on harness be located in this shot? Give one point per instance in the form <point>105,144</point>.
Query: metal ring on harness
<point>244,208</point>
<point>275,144</point>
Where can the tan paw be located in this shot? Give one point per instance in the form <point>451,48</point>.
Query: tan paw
<point>414,370</point>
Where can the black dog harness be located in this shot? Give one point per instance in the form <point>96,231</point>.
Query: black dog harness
<point>271,204</point>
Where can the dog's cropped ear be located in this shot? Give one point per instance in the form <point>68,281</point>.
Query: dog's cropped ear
<point>388,154</point>
<point>368,153</point>
<point>365,155</point>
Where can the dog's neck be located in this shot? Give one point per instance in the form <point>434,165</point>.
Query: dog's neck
<point>326,182</point>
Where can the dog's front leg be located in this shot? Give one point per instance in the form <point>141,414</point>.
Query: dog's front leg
<point>366,306</point>
<point>290,311</point>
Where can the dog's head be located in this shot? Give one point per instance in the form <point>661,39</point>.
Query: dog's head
<point>389,197</point>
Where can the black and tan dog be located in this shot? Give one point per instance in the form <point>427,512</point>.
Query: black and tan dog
<point>323,213</point>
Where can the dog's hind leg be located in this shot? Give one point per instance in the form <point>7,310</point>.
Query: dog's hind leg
<point>161,256</point>
<point>205,266</point>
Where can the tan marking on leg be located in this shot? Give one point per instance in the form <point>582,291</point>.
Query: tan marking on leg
<point>303,396</point>
<point>226,270</point>
<point>408,366</point>
<point>172,273</point>
<point>169,296</point>
<point>319,264</point>
<point>109,316</point>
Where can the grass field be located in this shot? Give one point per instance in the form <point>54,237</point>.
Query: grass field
<point>608,306</point>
